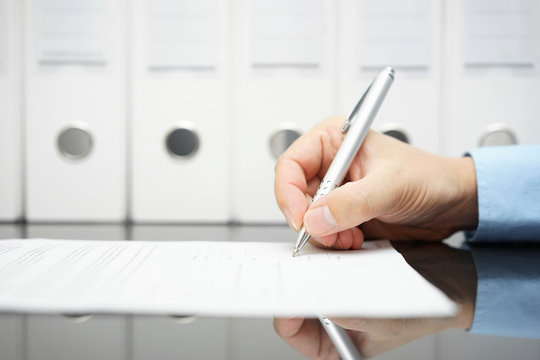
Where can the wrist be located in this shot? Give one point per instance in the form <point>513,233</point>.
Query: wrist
<point>458,280</point>
<point>466,201</point>
<point>465,294</point>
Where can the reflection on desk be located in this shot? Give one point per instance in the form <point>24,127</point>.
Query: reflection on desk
<point>32,337</point>
<point>502,281</point>
<point>508,291</point>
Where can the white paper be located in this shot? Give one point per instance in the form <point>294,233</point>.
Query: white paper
<point>182,33</point>
<point>500,32</point>
<point>212,278</point>
<point>72,31</point>
<point>286,32</point>
<point>394,33</point>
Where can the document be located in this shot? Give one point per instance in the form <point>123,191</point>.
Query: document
<point>211,279</point>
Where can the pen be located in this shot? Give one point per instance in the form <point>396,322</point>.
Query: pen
<point>356,128</point>
<point>340,339</point>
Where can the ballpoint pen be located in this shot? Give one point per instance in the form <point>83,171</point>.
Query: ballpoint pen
<point>356,128</point>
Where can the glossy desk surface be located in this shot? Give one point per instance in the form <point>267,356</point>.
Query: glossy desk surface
<point>448,265</point>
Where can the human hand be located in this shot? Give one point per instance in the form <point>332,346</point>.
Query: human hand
<point>393,190</point>
<point>451,270</point>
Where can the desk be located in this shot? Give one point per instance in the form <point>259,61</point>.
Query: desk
<point>40,337</point>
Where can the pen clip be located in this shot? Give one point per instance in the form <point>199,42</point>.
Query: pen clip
<point>349,121</point>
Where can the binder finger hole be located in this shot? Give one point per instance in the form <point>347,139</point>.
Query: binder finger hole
<point>281,140</point>
<point>183,319</point>
<point>182,142</point>
<point>497,135</point>
<point>77,318</point>
<point>75,142</point>
<point>396,132</point>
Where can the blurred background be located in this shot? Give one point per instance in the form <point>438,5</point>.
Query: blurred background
<point>153,119</point>
<point>174,111</point>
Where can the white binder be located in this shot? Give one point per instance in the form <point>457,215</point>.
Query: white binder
<point>76,337</point>
<point>284,81</point>
<point>10,111</point>
<point>493,74</point>
<point>180,111</point>
<point>12,340</point>
<point>405,35</point>
<point>75,92</point>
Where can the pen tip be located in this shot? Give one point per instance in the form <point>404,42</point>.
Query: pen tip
<point>295,252</point>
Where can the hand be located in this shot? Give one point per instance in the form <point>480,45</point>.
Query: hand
<point>449,269</point>
<point>393,190</point>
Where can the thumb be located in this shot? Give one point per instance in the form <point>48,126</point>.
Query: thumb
<point>349,205</point>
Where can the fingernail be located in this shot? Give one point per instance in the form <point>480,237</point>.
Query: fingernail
<point>320,220</point>
<point>290,221</point>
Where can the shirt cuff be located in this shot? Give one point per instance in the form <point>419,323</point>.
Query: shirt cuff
<point>508,291</point>
<point>508,188</point>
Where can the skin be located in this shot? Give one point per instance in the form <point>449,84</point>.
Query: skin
<point>392,191</point>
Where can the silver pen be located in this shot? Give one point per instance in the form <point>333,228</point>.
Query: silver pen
<point>340,339</point>
<point>356,127</point>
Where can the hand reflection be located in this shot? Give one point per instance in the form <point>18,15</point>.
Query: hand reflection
<point>451,270</point>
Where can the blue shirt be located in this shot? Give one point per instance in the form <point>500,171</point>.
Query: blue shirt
<point>508,184</point>
<point>508,290</point>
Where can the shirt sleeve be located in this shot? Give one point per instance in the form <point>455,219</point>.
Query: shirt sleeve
<point>508,184</point>
<point>508,290</point>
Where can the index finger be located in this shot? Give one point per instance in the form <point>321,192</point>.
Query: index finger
<point>297,168</point>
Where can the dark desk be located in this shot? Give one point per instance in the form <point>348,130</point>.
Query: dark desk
<point>32,337</point>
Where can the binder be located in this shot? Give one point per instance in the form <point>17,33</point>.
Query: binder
<point>75,93</point>
<point>284,85</point>
<point>72,231</point>
<point>180,111</point>
<point>493,74</point>
<point>12,330</point>
<point>179,337</point>
<point>10,112</point>
<point>76,337</point>
<point>405,35</point>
